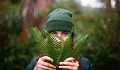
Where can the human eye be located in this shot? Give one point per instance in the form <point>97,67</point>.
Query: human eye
<point>65,33</point>
<point>53,33</point>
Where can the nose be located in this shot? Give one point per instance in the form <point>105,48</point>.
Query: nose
<point>58,40</point>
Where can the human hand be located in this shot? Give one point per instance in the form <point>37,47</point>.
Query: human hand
<point>69,64</point>
<point>42,65</point>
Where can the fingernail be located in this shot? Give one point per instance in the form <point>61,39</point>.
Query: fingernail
<point>74,60</point>
<point>59,62</point>
<point>55,67</point>
<point>52,60</point>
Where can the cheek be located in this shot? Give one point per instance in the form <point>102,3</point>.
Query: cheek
<point>64,38</point>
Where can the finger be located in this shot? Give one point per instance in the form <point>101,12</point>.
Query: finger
<point>46,58</point>
<point>69,64</point>
<point>41,67</point>
<point>68,67</point>
<point>69,59</point>
<point>47,65</point>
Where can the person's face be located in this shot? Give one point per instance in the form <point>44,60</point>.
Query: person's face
<point>62,34</point>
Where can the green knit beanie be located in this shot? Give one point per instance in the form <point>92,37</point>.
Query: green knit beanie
<point>60,20</point>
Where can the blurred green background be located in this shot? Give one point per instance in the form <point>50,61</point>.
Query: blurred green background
<point>17,47</point>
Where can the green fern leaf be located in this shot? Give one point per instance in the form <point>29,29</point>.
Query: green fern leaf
<point>52,48</point>
<point>79,46</point>
<point>57,51</point>
<point>40,42</point>
<point>66,49</point>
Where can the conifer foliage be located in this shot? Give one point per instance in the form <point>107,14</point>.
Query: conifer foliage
<point>57,51</point>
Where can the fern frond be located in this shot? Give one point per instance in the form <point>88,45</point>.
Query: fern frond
<point>66,49</point>
<point>57,51</point>
<point>40,42</point>
<point>79,46</point>
<point>51,47</point>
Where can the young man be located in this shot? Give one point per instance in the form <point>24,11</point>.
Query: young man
<point>60,23</point>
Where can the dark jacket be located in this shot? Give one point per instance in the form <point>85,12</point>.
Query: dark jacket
<point>85,64</point>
